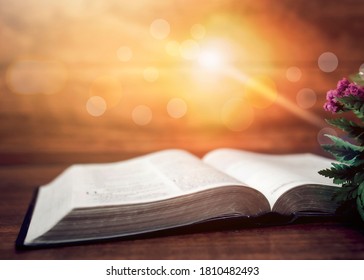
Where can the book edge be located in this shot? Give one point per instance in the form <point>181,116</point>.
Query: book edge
<point>218,223</point>
<point>268,219</point>
<point>19,242</point>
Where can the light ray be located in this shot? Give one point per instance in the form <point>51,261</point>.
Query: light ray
<point>269,93</point>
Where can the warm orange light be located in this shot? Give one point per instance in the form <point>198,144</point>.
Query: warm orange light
<point>124,53</point>
<point>172,48</point>
<point>328,62</point>
<point>306,98</point>
<point>237,115</point>
<point>293,74</point>
<point>34,76</point>
<point>142,115</point>
<point>267,95</point>
<point>176,108</point>
<point>211,62</point>
<point>189,49</point>
<point>160,29</point>
<point>198,31</point>
<point>151,74</point>
<point>210,59</point>
<point>107,87</point>
<point>96,106</point>
<point>260,91</point>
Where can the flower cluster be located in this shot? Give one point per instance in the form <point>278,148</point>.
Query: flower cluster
<point>344,88</point>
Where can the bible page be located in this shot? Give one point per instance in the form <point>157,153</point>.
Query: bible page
<point>54,201</point>
<point>149,178</point>
<point>272,175</point>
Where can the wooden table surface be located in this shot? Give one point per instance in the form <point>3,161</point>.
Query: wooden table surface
<point>42,133</point>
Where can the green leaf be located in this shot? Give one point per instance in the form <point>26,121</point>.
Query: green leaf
<point>360,200</point>
<point>355,104</point>
<point>353,130</point>
<point>359,176</point>
<point>361,188</point>
<point>344,151</point>
<point>340,173</point>
<point>346,192</point>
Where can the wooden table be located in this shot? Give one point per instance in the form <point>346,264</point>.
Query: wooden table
<point>41,134</point>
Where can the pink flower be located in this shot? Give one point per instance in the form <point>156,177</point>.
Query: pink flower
<point>342,85</point>
<point>344,88</point>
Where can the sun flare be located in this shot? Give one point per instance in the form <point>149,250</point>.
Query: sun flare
<point>211,59</point>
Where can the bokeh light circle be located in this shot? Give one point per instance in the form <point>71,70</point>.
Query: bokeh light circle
<point>142,115</point>
<point>160,29</point>
<point>322,139</point>
<point>293,74</point>
<point>328,62</point>
<point>176,108</point>
<point>361,71</point>
<point>306,98</point>
<point>96,106</point>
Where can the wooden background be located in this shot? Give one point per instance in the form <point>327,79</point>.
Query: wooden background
<point>41,134</point>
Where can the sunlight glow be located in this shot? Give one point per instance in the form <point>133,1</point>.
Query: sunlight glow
<point>260,91</point>
<point>198,31</point>
<point>210,59</point>
<point>189,49</point>
<point>172,48</point>
<point>190,64</point>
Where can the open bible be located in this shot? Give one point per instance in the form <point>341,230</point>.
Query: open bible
<point>173,188</point>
